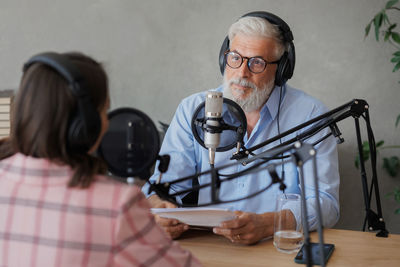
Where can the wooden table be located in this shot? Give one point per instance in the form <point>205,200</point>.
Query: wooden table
<point>352,248</point>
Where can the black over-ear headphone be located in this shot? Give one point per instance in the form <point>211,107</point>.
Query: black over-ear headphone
<point>85,125</point>
<point>286,63</point>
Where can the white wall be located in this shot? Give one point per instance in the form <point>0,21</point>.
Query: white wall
<point>157,52</point>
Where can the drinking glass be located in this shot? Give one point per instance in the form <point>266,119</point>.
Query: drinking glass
<point>288,230</point>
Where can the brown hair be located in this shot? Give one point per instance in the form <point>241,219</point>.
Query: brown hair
<point>41,113</point>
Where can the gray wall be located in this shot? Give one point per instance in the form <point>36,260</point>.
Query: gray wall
<point>157,52</point>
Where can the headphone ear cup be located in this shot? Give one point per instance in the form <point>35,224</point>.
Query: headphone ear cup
<point>82,136</point>
<point>224,48</point>
<point>76,136</point>
<point>280,77</point>
<point>291,60</point>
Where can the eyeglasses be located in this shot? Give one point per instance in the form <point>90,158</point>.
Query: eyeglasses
<point>255,64</point>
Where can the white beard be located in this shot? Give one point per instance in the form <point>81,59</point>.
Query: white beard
<point>255,100</point>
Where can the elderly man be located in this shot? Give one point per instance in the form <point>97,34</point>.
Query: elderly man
<point>257,61</point>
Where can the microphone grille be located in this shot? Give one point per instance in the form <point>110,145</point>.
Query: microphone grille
<point>213,105</point>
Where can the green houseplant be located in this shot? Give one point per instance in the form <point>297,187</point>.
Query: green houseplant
<point>385,28</point>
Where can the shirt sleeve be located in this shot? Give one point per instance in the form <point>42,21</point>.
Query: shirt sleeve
<point>140,241</point>
<point>327,176</point>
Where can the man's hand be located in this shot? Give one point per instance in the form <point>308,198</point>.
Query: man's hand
<point>247,228</point>
<point>172,227</point>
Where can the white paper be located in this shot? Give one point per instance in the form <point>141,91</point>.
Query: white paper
<point>210,217</point>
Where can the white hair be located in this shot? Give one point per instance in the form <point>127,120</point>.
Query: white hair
<point>259,27</point>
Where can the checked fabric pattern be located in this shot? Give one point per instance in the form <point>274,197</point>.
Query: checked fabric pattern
<point>44,223</point>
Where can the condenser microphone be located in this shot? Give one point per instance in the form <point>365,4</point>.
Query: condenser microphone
<point>212,115</point>
<point>218,124</point>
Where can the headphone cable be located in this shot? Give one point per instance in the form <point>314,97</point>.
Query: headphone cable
<point>279,132</point>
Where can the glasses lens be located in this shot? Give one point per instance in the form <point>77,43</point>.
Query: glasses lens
<point>234,60</point>
<point>256,64</point>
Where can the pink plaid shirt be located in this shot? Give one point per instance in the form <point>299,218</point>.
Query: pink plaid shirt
<point>44,223</point>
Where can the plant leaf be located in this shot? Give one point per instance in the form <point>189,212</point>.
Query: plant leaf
<point>396,67</point>
<point>357,162</point>
<point>387,35</point>
<point>396,193</point>
<point>397,54</point>
<point>396,37</point>
<point>392,165</point>
<point>377,24</point>
<point>365,153</point>
<point>397,211</point>
<point>391,27</point>
<point>391,3</point>
<point>380,143</point>
<point>395,59</point>
<point>397,120</point>
<point>367,29</point>
<point>385,18</point>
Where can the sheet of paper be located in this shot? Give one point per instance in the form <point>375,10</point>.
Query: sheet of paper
<point>209,217</point>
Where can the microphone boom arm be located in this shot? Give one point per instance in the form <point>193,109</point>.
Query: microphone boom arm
<point>356,108</point>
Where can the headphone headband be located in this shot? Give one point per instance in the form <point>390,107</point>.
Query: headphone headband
<point>273,19</point>
<point>63,66</point>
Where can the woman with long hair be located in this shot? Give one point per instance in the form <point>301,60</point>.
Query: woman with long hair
<point>57,206</point>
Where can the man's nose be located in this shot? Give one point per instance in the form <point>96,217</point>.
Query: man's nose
<point>243,70</point>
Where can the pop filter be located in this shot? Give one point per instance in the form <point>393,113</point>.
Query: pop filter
<point>233,125</point>
<point>130,146</point>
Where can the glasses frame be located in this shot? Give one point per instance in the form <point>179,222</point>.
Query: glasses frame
<point>248,61</point>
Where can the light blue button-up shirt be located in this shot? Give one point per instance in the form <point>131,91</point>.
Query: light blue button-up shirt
<point>188,157</point>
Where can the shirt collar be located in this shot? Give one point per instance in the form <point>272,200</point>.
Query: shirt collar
<point>272,104</point>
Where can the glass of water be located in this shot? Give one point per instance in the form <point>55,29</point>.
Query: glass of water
<point>288,227</point>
